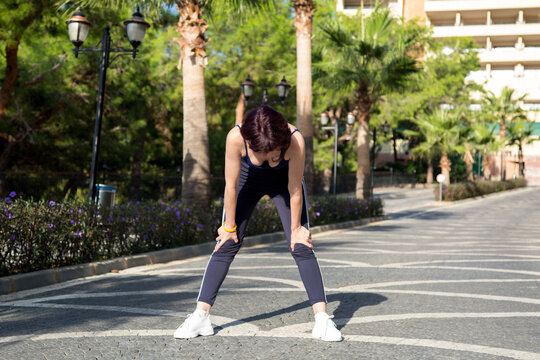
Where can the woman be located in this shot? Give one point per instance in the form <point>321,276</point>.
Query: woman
<point>265,156</point>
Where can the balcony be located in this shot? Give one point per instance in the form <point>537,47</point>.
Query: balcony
<point>501,35</point>
<point>439,6</point>
<point>530,58</point>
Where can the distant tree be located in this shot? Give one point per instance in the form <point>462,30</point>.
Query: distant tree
<point>441,131</point>
<point>520,133</point>
<point>484,141</point>
<point>504,108</point>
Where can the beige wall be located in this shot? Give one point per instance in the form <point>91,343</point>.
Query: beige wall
<point>414,9</point>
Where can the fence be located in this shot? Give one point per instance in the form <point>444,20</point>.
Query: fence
<point>347,183</point>
<point>61,186</point>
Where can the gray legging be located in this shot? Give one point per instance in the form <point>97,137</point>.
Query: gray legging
<point>248,196</point>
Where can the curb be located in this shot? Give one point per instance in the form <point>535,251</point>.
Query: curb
<point>32,280</point>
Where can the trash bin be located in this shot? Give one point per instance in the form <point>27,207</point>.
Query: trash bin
<point>105,195</point>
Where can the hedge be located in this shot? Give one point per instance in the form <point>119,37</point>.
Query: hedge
<point>466,190</point>
<point>36,235</point>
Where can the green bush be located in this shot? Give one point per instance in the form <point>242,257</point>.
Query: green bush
<point>465,190</point>
<point>42,235</point>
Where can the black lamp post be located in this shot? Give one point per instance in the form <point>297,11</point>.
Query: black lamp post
<point>248,88</point>
<point>324,121</point>
<point>78,27</point>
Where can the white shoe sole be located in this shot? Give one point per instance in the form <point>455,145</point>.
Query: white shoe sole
<point>317,336</point>
<point>203,332</point>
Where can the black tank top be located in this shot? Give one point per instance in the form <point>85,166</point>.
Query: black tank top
<point>263,176</point>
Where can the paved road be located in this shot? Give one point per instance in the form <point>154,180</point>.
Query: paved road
<point>445,282</point>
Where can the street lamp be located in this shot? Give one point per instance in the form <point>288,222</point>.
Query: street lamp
<point>78,28</point>
<point>248,88</point>
<point>324,121</point>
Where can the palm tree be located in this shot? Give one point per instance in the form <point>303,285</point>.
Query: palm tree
<point>519,134</point>
<point>367,57</point>
<point>503,109</point>
<point>191,26</point>
<point>303,23</point>
<point>442,132</point>
<point>483,140</point>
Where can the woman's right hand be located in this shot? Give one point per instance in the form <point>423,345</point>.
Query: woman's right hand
<point>224,236</point>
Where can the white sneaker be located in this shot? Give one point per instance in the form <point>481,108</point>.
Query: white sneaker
<point>325,329</point>
<point>196,324</point>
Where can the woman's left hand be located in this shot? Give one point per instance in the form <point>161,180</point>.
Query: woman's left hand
<point>224,236</point>
<point>301,235</point>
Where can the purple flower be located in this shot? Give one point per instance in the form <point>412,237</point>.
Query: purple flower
<point>12,194</point>
<point>138,203</point>
<point>72,221</point>
<point>110,219</point>
<point>78,233</point>
<point>51,226</point>
<point>7,200</point>
<point>152,227</point>
<point>318,213</point>
<point>123,219</point>
<point>187,210</point>
<point>52,203</point>
<point>12,237</point>
<point>199,226</point>
<point>167,208</point>
<point>10,216</point>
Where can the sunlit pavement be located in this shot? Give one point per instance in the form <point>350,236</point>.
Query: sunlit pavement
<point>459,281</point>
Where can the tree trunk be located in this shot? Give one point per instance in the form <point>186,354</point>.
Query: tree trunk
<point>486,167</point>
<point>303,24</point>
<point>196,159</point>
<point>445,165</point>
<point>10,77</point>
<point>395,146</point>
<point>12,49</point>
<point>429,174</point>
<point>469,161</point>
<point>521,161</point>
<point>502,135</point>
<point>196,174</point>
<point>363,171</point>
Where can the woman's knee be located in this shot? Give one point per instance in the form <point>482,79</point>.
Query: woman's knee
<point>301,251</point>
<point>230,248</point>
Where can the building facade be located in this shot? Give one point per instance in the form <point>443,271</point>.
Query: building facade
<point>508,38</point>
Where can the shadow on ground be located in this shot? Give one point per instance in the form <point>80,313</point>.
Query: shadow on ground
<point>349,303</point>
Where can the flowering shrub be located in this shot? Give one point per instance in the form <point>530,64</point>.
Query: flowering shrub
<point>471,189</point>
<point>322,211</point>
<point>42,235</point>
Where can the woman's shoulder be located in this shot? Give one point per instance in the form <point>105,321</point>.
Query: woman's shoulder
<point>234,137</point>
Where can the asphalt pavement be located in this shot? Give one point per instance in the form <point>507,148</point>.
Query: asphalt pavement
<point>458,281</point>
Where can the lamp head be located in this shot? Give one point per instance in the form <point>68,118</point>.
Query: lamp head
<point>247,88</point>
<point>136,29</point>
<point>78,27</point>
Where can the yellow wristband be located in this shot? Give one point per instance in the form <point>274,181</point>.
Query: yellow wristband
<point>229,230</point>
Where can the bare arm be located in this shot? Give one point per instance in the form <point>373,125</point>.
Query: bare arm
<point>233,153</point>
<point>296,152</point>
